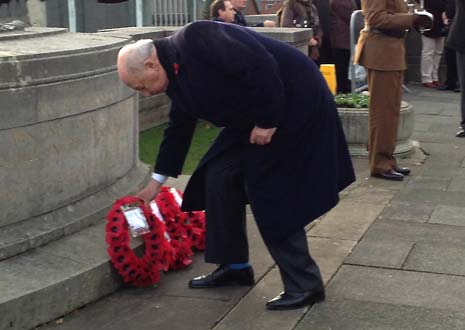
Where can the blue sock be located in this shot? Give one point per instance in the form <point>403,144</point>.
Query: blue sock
<point>239,266</point>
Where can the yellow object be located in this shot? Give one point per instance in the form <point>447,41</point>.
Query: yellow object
<point>329,72</point>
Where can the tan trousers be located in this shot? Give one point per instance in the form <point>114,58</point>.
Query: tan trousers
<point>385,96</point>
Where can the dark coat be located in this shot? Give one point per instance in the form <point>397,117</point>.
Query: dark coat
<point>239,19</point>
<point>456,39</point>
<point>435,7</point>
<point>236,78</point>
<point>339,31</point>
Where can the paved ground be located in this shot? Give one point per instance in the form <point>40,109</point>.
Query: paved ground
<point>392,255</point>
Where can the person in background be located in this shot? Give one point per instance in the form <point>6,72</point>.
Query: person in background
<point>456,41</point>
<point>451,82</point>
<point>324,47</point>
<point>222,11</point>
<point>339,34</point>
<point>381,50</point>
<point>282,148</point>
<point>303,13</point>
<point>239,19</point>
<point>432,44</point>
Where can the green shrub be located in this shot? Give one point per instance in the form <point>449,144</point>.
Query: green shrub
<point>352,100</point>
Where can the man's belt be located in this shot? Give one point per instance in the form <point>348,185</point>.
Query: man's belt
<point>400,34</point>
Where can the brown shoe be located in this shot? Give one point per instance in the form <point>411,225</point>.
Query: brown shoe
<point>429,85</point>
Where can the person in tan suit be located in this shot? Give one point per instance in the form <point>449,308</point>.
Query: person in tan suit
<point>381,50</point>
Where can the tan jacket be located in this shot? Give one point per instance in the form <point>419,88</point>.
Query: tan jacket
<point>379,51</point>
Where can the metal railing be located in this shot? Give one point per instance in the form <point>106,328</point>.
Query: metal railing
<point>170,12</point>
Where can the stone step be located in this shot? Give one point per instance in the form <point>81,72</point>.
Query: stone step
<point>45,283</point>
<point>50,281</point>
<point>32,233</point>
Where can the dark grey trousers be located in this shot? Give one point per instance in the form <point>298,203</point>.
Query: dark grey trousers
<point>461,74</point>
<point>226,234</point>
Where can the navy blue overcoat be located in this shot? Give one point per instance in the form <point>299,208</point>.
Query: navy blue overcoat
<point>236,78</point>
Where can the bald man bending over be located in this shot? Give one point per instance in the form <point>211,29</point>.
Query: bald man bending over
<point>282,149</point>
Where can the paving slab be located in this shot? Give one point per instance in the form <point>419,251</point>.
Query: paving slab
<point>398,210</point>
<point>437,258</point>
<point>359,215</point>
<point>457,184</point>
<point>371,194</point>
<point>380,253</point>
<point>448,215</point>
<point>250,313</point>
<point>429,182</point>
<point>348,314</point>
<point>424,107</point>
<point>415,232</point>
<point>330,253</point>
<point>399,287</point>
<point>430,196</point>
<point>143,311</point>
<point>176,283</point>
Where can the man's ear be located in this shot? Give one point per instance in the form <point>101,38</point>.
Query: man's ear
<point>152,63</point>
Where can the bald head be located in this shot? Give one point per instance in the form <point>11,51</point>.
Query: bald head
<point>131,58</point>
<point>140,69</point>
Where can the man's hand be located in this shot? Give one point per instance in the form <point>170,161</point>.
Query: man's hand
<point>269,23</point>
<point>261,136</point>
<point>150,191</point>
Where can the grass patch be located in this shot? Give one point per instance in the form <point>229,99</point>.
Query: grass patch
<point>149,142</point>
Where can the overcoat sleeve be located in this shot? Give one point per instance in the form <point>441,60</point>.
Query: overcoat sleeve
<point>236,54</point>
<point>378,15</point>
<point>175,144</point>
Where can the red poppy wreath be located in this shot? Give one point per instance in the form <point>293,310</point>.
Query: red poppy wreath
<point>191,223</point>
<point>158,255</point>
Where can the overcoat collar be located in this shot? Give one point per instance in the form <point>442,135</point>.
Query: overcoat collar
<point>168,59</point>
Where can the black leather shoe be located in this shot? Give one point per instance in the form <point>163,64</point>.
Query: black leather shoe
<point>224,276</point>
<point>457,90</point>
<point>460,133</point>
<point>389,175</point>
<point>402,170</point>
<point>446,88</point>
<point>290,300</point>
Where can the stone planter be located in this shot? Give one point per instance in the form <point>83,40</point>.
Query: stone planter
<point>355,125</point>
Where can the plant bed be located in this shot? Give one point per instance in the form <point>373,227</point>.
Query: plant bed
<point>353,111</point>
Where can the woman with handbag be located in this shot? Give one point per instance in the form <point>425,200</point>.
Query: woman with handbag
<point>303,14</point>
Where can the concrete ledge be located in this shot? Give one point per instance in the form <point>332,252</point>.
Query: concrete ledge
<point>31,105</point>
<point>52,57</point>
<point>67,274</point>
<point>20,237</point>
<point>31,32</point>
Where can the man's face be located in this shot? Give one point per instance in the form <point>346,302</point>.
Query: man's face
<point>151,80</point>
<point>239,4</point>
<point>228,14</point>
